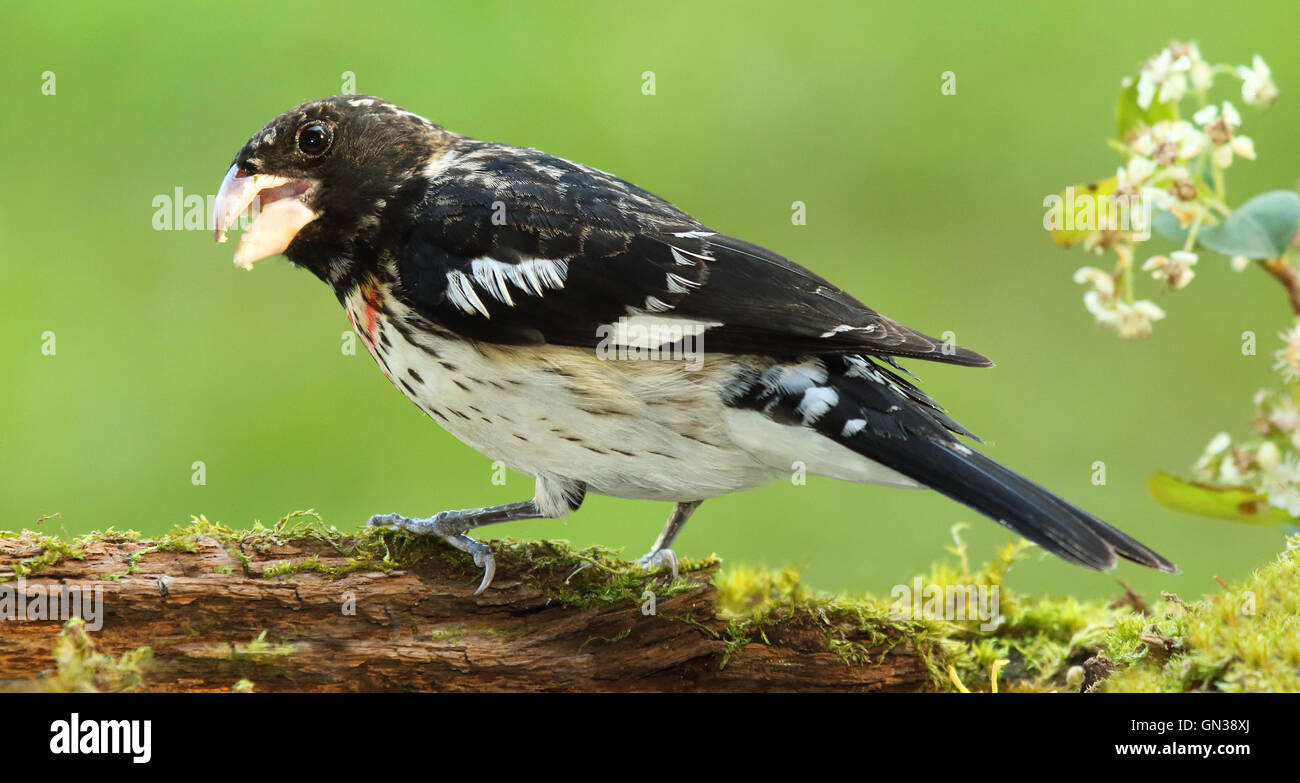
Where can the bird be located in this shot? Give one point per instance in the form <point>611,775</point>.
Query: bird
<point>597,338</point>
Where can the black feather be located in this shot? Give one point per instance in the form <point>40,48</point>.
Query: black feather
<point>621,244</point>
<point>890,421</point>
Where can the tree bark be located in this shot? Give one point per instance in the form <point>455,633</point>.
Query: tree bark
<point>289,615</point>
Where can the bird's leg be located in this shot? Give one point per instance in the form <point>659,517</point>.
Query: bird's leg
<point>451,526</point>
<point>661,553</point>
<point>554,498</point>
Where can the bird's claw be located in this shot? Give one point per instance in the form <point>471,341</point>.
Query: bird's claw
<point>442,526</point>
<point>384,520</point>
<point>483,559</point>
<point>657,559</point>
<point>583,566</point>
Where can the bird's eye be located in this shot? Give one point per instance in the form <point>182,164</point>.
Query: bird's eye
<point>313,139</point>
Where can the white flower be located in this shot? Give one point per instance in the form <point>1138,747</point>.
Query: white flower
<point>1218,444</point>
<point>1239,263</point>
<point>1288,357</point>
<point>1201,74</point>
<point>1129,178</point>
<point>1130,321</point>
<point>1098,279</point>
<point>1166,74</point>
<point>1210,113</point>
<point>1144,144</point>
<point>1133,322</point>
<point>1228,472</point>
<point>1102,308</point>
<point>1176,269</point>
<point>1268,456</point>
<point>1241,145</point>
<point>1282,488</point>
<point>1185,140</point>
<point>1148,309</point>
<point>1285,417</point>
<point>1139,169</point>
<point>1257,87</point>
<point>1100,301</point>
<point>1220,129</point>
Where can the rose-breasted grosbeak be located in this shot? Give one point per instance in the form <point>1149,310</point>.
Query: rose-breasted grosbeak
<point>519,299</point>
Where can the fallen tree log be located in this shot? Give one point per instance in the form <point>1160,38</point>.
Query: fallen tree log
<point>306,608</point>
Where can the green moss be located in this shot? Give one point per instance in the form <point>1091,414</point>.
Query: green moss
<point>1033,647</point>
<point>1247,639</point>
<point>626,632</point>
<point>52,550</point>
<point>581,578</point>
<point>79,667</point>
<point>1039,644</point>
<point>760,604</point>
<point>551,566</point>
<point>255,650</point>
<point>448,634</point>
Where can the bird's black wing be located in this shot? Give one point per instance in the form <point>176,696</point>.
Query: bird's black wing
<point>515,246</point>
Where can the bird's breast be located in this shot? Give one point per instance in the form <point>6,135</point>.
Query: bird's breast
<point>648,429</point>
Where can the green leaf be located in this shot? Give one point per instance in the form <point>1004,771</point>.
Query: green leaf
<point>1239,504</point>
<point>1260,228</point>
<point>1129,115</point>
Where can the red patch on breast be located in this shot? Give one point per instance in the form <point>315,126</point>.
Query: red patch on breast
<point>370,322</point>
<point>371,296</point>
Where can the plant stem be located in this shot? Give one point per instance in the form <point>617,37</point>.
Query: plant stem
<point>1281,269</point>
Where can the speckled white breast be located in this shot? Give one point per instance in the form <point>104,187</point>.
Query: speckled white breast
<point>653,430</point>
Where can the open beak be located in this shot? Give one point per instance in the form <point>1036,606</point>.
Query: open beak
<point>279,212</point>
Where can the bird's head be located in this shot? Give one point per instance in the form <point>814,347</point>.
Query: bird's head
<point>320,177</point>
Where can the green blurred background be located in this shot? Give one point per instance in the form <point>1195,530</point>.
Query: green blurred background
<point>927,207</point>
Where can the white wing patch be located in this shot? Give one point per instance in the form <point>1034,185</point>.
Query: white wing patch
<point>680,256</point>
<point>680,285</point>
<point>853,427</point>
<point>816,401</point>
<point>460,291</point>
<point>846,328</point>
<point>656,305</point>
<point>795,378</point>
<point>653,331</point>
<point>494,278</point>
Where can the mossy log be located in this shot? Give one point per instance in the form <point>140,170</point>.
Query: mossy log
<point>284,610</point>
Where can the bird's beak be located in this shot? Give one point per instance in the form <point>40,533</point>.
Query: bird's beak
<point>279,212</point>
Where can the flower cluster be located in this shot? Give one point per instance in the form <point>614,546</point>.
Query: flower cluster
<point>1171,182</point>
<point>1269,463</point>
<point>1130,319</point>
<point>1179,69</point>
<point>1171,165</point>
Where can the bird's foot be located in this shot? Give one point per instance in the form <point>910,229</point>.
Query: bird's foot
<point>658,558</point>
<point>448,526</point>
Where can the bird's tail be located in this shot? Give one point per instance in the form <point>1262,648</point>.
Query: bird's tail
<point>882,416</point>
<point>1016,502</point>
